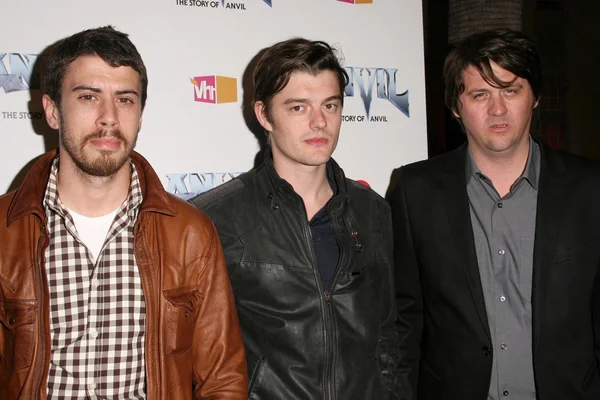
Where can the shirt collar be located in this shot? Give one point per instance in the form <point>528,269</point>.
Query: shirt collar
<point>532,168</point>
<point>132,203</point>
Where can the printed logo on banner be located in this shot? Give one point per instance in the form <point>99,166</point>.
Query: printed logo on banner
<point>220,4</point>
<point>187,186</point>
<point>214,89</point>
<point>357,1</point>
<point>16,72</point>
<point>374,80</point>
<point>17,75</point>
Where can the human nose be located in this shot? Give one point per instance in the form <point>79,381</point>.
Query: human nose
<point>497,106</point>
<point>318,120</point>
<point>108,116</point>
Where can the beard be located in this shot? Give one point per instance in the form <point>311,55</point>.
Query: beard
<point>104,165</point>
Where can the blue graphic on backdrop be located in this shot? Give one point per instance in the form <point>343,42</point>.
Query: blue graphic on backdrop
<point>386,87</point>
<point>16,72</point>
<point>187,186</point>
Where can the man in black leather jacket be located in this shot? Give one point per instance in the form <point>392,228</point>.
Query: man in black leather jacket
<point>309,251</point>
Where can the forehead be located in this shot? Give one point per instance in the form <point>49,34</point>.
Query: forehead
<point>93,69</point>
<point>304,84</point>
<point>473,79</point>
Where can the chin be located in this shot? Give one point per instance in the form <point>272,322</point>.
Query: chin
<point>316,162</point>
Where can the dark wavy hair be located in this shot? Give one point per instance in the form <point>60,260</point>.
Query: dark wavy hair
<point>110,45</point>
<point>511,50</point>
<point>280,61</point>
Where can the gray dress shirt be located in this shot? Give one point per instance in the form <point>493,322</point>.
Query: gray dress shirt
<point>504,230</point>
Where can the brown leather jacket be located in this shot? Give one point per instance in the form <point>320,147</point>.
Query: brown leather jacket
<point>194,348</point>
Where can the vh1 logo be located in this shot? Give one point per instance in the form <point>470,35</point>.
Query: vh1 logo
<point>357,1</point>
<point>214,89</point>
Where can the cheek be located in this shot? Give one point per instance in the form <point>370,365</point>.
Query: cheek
<point>522,113</point>
<point>130,121</point>
<point>334,120</point>
<point>473,117</point>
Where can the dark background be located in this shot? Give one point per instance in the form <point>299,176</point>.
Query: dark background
<point>568,37</point>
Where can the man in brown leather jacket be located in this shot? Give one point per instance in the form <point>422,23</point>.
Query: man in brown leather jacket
<point>109,286</point>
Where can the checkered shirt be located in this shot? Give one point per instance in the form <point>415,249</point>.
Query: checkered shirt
<point>97,309</point>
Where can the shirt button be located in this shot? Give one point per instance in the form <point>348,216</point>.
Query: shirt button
<point>95,283</point>
<point>92,386</point>
<point>502,299</point>
<point>94,333</point>
<point>501,252</point>
<point>505,393</point>
<point>486,351</point>
<point>499,205</point>
<point>503,346</point>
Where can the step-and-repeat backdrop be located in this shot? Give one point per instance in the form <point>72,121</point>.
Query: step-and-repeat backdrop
<point>198,130</point>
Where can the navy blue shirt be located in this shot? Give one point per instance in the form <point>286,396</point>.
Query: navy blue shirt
<point>326,248</point>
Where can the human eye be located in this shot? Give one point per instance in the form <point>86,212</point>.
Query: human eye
<point>511,91</point>
<point>331,106</point>
<point>297,108</point>
<point>87,97</point>
<point>125,100</point>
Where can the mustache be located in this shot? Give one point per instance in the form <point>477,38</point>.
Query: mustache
<point>101,133</point>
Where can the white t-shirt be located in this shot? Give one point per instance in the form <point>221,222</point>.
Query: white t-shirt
<point>93,230</point>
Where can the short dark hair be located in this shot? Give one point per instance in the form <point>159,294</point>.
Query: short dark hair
<point>110,45</point>
<point>511,50</point>
<point>280,61</point>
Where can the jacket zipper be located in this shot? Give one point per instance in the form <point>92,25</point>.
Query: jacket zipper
<point>324,296</point>
<point>38,373</point>
<point>327,294</point>
<point>358,246</point>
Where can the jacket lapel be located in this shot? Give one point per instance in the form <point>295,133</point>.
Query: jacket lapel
<point>552,198</point>
<point>454,190</point>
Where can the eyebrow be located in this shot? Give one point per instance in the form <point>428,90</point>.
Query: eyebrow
<point>479,90</point>
<point>305,101</point>
<point>97,90</point>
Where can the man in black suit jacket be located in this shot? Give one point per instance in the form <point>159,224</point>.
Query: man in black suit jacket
<point>497,245</point>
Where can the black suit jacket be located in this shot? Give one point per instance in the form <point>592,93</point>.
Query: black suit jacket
<point>445,343</point>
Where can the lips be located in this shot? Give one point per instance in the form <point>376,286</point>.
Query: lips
<point>499,127</point>
<point>317,141</point>
<point>107,142</point>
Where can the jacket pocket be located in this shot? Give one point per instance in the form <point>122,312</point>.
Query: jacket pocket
<point>254,379</point>
<point>17,320</point>
<point>591,377</point>
<point>573,252</point>
<point>181,312</point>
<point>426,369</point>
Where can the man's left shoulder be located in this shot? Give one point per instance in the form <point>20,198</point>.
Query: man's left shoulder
<point>574,165</point>
<point>360,192</point>
<point>188,214</point>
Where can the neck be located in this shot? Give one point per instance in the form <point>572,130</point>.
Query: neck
<point>88,195</point>
<point>309,182</point>
<point>503,169</point>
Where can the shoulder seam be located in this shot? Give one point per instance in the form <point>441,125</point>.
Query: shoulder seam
<point>205,199</point>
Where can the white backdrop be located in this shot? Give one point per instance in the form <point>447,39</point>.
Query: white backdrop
<point>195,145</point>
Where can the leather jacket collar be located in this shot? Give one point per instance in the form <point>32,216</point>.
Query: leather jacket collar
<point>29,197</point>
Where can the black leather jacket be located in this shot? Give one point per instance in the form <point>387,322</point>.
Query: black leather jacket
<point>303,342</point>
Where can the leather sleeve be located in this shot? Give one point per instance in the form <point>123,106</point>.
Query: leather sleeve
<point>408,292</point>
<point>388,337</point>
<point>596,316</point>
<point>219,360</point>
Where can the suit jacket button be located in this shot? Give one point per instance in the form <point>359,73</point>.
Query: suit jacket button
<point>486,351</point>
